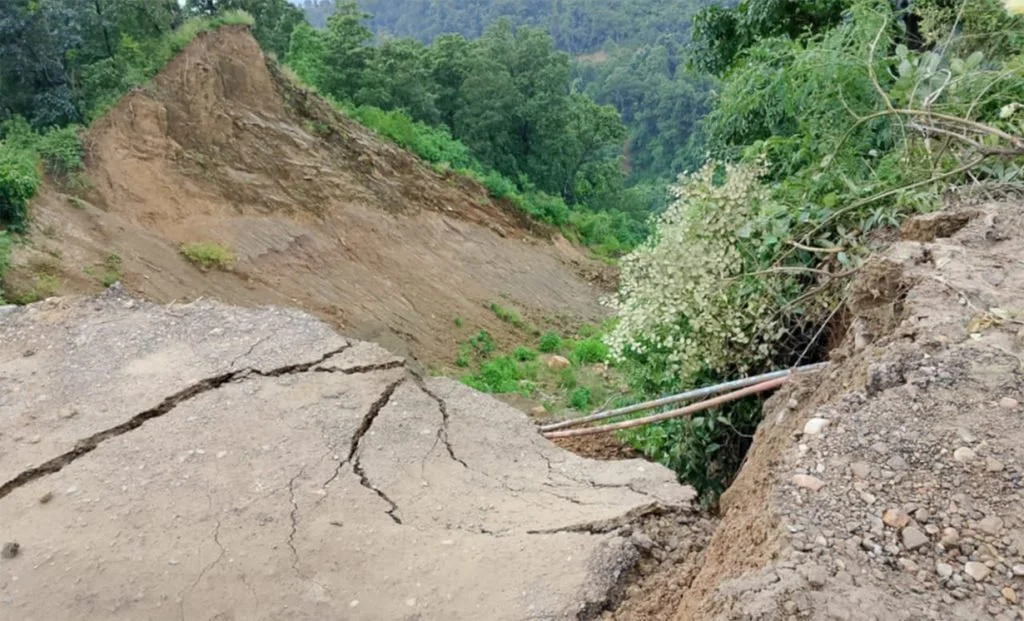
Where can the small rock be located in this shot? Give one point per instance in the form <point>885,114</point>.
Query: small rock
<point>950,537</point>
<point>807,481</point>
<point>977,570</point>
<point>410,602</point>
<point>792,404</point>
<point>1009,595</point>
<point>991,525</point>
<point>540,410</point>
<point>868,498</point>
<point>815,426</point>
<point>895,518</point>
<point>1018,570</point>
<point>10,549</point>
<point>896,463</point>
<point>36,439</point>
<point>1008,403</point>
<point>642,541</point>
<point>944,570</point>
<point>558,362</point>
<point>45,498</point>
<point>908,565</point>
<point>993,465</point>
<point>922,515</point>
<point>816,575</point>
<point>913,538</point>
<point>68,412</point>
<point>964,454</point>
<point>861,470</point>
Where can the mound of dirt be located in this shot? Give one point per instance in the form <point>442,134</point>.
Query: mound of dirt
<point>891,486</point>
<point>318,212</point>
<point>203,461</point>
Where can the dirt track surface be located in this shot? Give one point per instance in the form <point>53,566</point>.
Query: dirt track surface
<point>891,487</point>
<point>202,461</point>
<point>320,213</point>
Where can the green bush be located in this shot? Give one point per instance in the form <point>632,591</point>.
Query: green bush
<point>19,181</point>
<point>500,375</point>
<point>498,185</point>
<point>550,342</point>
<point>524,354</point>
<point>580,398</point>
<point>208,255</point>
<point>482,343</point>
<point>61,150</point>
<point>589,351</point>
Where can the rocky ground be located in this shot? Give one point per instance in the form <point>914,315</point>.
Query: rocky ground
<point>891,486</point>
<point>203,461</point>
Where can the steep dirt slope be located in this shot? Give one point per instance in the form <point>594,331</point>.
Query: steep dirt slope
<point>320,213</point>
<point>891,486</point>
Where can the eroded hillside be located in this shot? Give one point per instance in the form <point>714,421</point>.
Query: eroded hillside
<point>890,487</point>
<point>319,213</point>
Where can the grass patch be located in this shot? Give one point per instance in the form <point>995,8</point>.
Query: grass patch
<point>550,342</point>
<point>208,255</point>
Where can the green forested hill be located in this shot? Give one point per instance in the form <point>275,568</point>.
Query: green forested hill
<point>577,26</point>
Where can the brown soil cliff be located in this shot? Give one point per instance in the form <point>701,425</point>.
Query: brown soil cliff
<point>320,213</point>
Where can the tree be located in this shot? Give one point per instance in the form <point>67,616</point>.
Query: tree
<point>346,53</point>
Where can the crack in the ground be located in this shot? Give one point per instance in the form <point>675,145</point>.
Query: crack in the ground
<point>601,527</point>
<point>293,515</point>
<point>366,368</point>
<point>442,431</point>
<point>248,353</point>
<point>357,438</point>
<point>206,569</point>
<point>87,445</point>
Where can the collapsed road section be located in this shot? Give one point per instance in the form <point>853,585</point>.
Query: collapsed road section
<point>206,461</point>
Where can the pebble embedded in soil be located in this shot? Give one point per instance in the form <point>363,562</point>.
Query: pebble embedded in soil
<point>944,570</point>
<point>964,454</point>
<point>913,538</point>
<point>896,518</point>
<point>815,426</point>
<point>1008,403</point>
<point>977,570</point>
<point>860,469</point>
<point>807,481</point>
<point>10,550</point>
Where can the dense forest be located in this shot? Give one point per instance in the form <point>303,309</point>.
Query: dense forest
<point>632,55</point>
<point>577,26</point>
<point>801,128</point>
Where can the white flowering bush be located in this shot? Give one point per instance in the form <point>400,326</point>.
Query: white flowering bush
<point>693,300</point>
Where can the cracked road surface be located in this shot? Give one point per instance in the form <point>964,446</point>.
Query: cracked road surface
<point>203,461</point>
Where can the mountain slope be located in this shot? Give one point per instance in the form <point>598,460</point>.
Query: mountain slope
<point>319,213</point>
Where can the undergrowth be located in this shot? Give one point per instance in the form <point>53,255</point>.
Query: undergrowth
<point>524,370</point>
<point>818,143</point>
<point>207,255</point>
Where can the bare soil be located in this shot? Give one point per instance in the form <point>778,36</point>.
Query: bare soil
<point>319,212</point>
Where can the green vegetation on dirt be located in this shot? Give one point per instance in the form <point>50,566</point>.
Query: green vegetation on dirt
<point>208,255</point>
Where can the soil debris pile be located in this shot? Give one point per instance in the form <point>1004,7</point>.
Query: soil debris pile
<point>890,487</point>
<point>203,460</point>
<point>303,206</point>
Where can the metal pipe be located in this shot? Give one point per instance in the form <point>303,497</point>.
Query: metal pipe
<point>691,394</point>
<point>657,418</point>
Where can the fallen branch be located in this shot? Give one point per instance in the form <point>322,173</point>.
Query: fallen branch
<point>685,396</point>
<point>681,412</point>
